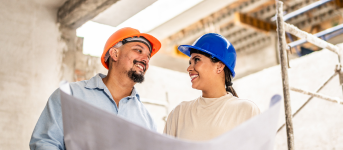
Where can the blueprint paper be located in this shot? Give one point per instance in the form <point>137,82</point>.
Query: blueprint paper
<point>65,87</point>
<point>87,127</point>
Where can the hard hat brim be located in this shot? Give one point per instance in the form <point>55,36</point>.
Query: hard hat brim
<point>156,44</point>
<point>186,50</point>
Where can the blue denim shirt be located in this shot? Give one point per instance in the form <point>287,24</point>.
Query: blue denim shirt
<point>48,133</point>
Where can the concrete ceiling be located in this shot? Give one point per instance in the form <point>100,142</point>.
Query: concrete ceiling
<point>124,9</point>
<point>51,3</point>
<point>121,11</point>
<point>188,17</point>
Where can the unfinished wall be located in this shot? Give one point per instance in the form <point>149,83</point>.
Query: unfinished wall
<point>30,62</point>
<point>75,65</point>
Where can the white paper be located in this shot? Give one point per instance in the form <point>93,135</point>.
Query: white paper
<point>65,87</point>
<point>87,127</point>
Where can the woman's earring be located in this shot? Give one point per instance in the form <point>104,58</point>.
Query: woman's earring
<point>218,71</point>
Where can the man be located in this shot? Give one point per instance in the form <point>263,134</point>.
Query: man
<point>126,56</point>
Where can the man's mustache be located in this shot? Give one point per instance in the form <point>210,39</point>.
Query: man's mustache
<point>142,62</point>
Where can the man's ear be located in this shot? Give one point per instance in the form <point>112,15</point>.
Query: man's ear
<point>114,53</point>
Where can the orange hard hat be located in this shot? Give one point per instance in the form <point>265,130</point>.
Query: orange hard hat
<point>126,33</point>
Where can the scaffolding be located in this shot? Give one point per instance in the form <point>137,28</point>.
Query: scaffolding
<point>283,27</point>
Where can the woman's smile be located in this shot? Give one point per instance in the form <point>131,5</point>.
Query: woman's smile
<point>193,76</point>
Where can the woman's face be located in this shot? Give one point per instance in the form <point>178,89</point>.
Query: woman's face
<point>203,72</point>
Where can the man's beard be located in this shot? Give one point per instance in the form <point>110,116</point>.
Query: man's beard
<point>134,76</point>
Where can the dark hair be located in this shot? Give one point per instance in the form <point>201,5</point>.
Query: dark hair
<point>228,74</point>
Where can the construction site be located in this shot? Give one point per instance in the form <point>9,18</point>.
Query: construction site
<point>293,48</point>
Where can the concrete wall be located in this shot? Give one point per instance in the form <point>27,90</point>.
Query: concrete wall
<point>30,64</point>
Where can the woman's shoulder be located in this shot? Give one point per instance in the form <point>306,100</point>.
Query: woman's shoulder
<point>245,107</point>
<point>179,109</point>
<point>245,103</point>
<point>185,104</point>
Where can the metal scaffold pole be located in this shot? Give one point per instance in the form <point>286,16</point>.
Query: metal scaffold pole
<point>285,84</point>
<point>339,67</point>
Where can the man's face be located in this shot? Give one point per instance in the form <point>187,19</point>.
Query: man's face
<point>134,60</point>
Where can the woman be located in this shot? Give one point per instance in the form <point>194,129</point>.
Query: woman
<point>211,68</point>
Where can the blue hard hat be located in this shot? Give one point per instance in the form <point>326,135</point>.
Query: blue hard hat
<point>215,45</point>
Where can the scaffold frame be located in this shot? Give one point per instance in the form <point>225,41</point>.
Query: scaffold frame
<point>283,27</point>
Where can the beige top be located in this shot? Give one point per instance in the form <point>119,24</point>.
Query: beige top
<point>206,118</point>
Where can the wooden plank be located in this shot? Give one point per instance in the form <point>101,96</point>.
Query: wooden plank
<point>255,23</point>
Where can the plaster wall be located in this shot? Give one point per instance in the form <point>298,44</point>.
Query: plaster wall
<point>30,63</point>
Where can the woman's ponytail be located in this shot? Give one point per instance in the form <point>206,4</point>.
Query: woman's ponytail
<point>228,82</point>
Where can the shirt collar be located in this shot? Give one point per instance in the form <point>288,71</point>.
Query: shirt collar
<point>97,83</point>
<point>134,93</point>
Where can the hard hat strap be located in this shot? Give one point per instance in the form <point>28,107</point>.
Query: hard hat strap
<point>128,40</point>
<point>138,39</point>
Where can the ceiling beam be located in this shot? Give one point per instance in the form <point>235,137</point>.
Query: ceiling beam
<point>255,23</point>
<point>74,13</point>
<point>215,21</point>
